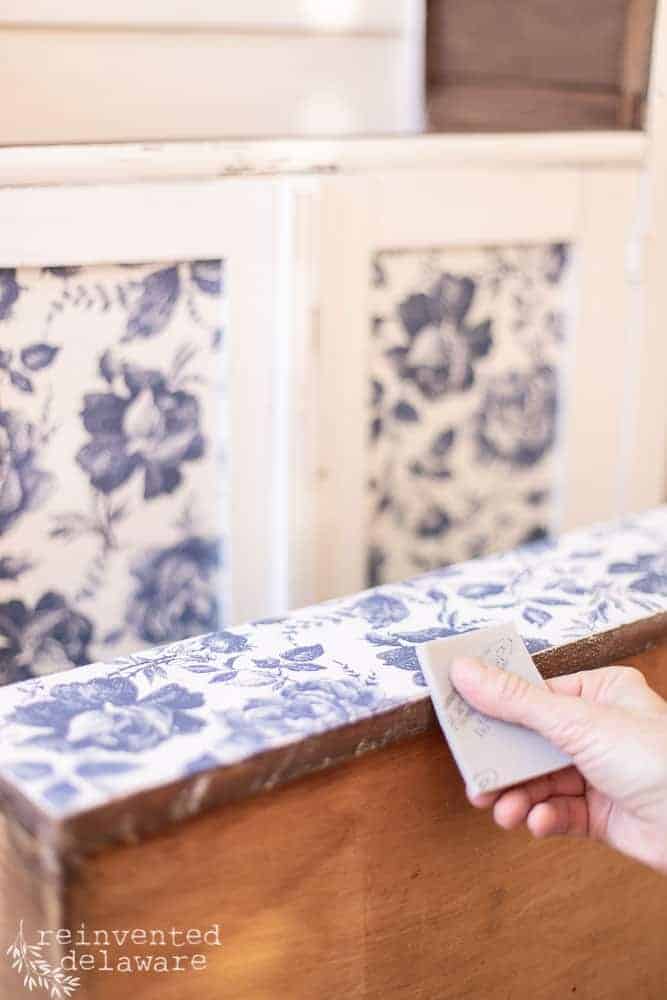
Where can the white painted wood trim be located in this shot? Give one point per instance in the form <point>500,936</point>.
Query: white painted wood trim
<point>300,351</point>
<point>124,222</point>
<point>257,490</point>
<point>647,470</point>
<point>350,16</point>
<point>597,403</point>
<point>235,220</point>
<point>339,530</point>
<point>120,163</point>
<point>473,206</point>
<point>176,85</point>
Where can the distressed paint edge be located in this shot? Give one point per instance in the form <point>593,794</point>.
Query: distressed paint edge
<point>146,813</point>
<point>27,166</point>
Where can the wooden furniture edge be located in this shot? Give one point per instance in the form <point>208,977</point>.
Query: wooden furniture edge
<point>147,812</point>
<point>28,166</point>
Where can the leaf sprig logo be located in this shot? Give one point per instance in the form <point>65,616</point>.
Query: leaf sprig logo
<point>37,973</point>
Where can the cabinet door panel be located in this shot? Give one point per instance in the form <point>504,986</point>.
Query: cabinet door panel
<point>466,316</point>
<point>134,509</point>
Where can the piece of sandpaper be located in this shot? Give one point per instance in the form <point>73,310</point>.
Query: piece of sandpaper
<point>490,754</point>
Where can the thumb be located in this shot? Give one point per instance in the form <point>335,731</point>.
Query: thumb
<point>504,695</point>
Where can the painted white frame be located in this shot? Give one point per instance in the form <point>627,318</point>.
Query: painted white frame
<point>648,467</point>
<point>22,166</point>
<point>397,17</point>
<point>235,220</point>
<point>591,207</point>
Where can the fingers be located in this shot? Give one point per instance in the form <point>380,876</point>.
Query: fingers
<point>484,799</point>
<point>554,805</point>
<point>503,695</point>
<point>512,808</point>
<point>619,686</point>
<point>560,816</point>
<point>566,782</point>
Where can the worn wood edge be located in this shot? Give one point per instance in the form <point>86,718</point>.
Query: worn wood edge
<point>25,816</point>
<point>145,813</point>
<point>27,166</point>
<point>33,876</point>
<point>469,107</point>
<point>603,648</point>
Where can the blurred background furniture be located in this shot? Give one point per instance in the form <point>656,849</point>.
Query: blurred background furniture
<point>537,65</point>
<point>241,374</point>
<point>125,71</point>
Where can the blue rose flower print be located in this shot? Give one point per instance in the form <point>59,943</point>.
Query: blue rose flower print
<point>150,429</point>
<point>159,294</point>
<point>517,418</point>
<point>106,713</point>
<point>207,276</point>
<point>176,596</point>
<point>9,291</point>
<point>155,305</point>
<point>23,484</point>
<point>227,642</point>
<point>556,258</point>
<point>650,569</point>
<point>442,345</point>
<point>380,610</point>
<point>38,356</point>
<point>298,707</point>
<point>50,637</point>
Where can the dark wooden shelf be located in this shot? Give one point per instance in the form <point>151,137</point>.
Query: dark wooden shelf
<point>536,65</point>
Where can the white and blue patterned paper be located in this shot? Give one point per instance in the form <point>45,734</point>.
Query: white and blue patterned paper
<point>81,739</point>
<point>467,350</point>
<point>111,460</point>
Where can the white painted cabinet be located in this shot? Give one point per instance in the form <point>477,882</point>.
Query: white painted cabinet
<point>428,349</point>
<point>109,72</point>
<point>139,326</point>
<point>478,363</point>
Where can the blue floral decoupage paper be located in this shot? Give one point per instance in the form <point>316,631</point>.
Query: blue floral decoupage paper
<point>111,460</point>
<point>76,740</point>
<point>466,354</point>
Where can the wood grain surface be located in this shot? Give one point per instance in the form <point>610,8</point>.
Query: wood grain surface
<point>546,41</point>
<point>498,106</point>
<point>544,64</point>
<point>32,891</point>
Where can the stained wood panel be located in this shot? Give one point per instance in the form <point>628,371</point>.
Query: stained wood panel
<point>499,106</point>
<point>543,64</point>
<point>30,891</point>
<point>561,41</point>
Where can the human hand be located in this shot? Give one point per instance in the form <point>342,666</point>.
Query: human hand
<point>615,729</point>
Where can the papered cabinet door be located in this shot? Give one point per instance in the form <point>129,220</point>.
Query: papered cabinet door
<point>475,361</point>
<point>120,525</point>
<point>465,350</point>
<point>112,407</point>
